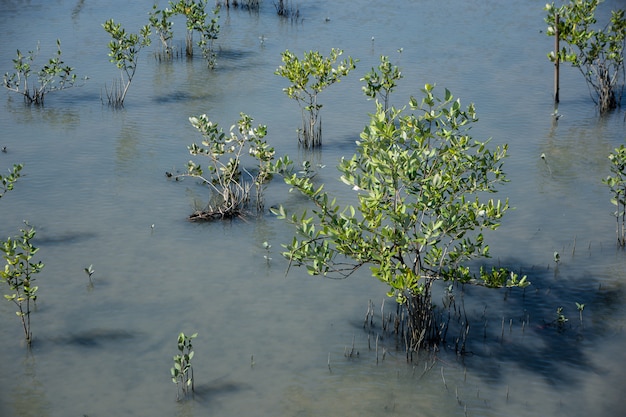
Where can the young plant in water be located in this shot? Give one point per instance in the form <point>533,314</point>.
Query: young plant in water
<point>54,76</point>
<point>560,318</point>
<point>309,77</point>
<point>19,274</point>
<point>267,248</point>
<point>421,182</point>
<point>123,52</point>
<point>229,181</point>
<point>182,371</point>
<point>89,271</point>
<point>617,184</point>
<point>580,308</point>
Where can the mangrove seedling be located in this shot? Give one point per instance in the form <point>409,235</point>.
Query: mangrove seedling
<point>422,183</point>
<point>560,318</point>
<point>89,271</point>
<point>309,77</point>
<point>229,181</point>
<point>617,184</point>
<point>182,371</point>
<point>580,308</point>
<point>267,248</point>
<point>53,76</point>
<point>123,52</point>
<point>597,52</point>
<point>19,274</point>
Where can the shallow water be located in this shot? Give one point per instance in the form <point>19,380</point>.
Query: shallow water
<point>94,184</point>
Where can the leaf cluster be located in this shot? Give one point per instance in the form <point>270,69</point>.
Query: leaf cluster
<point>8,180</point>
<point>312,74</point>
<point>420,181</point>
<point>380,82</point>
<point>124,47</point>
<point>182,371</point>
<point>308,77</point>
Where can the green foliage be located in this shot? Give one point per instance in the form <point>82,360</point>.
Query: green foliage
<point>617,184</point>
<point>209,32</point>
<point>182,371</point>
<point>597,52</point>
<point>381,81</point>
<point>159,21</point>
<point>196,21</point>
<point>228,179</point>
<point>196,16</point>
<point>123,52</point>
<point>309,77</point>
<point>54,76</point>
<point>421,183</point>
<point>8,180</point>
<point>19,274</point>
<point>499,277</point>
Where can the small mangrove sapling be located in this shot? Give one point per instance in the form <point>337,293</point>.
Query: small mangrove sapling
<point>19,274</point>
<point>309,77</point>
<point>228,179</point>
<point>123,52</point>
<point>560,318</point>
<point>580,307</point>
<point>617,184</point>
<point>182,371</point>
<point>267,248</point>
<point>89,271</point>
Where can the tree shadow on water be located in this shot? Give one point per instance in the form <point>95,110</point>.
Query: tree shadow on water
<point>547,328</point>
<point>205,396</point>
<point>205,392</point>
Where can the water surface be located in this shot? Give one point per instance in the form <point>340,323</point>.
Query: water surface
<point>94,185</point>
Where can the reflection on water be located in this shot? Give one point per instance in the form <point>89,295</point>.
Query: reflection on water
<point>94,185</point>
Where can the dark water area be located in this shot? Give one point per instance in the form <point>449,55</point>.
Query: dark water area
<point>271,344</point>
